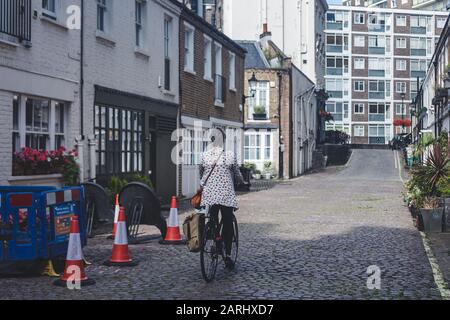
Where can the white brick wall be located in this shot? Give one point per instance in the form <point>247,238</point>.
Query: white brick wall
<point>117,65</point>
<point>50,69</point>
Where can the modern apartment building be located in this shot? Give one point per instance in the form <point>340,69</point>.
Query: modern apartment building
<point>434,5</point>
<point>297,27</point>
<point>375,59</point>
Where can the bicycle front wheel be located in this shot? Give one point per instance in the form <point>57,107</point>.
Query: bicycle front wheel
<point>209,254</point>
<point>235,242</point>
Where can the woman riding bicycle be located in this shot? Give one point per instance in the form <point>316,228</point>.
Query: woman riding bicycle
<point>221,170</point>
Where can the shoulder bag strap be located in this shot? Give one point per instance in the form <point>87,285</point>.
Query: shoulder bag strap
<point>215,164</point>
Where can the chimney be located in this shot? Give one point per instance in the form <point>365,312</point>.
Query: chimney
<point>265,36</point>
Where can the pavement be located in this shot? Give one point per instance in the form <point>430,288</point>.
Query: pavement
<point>314,237</point>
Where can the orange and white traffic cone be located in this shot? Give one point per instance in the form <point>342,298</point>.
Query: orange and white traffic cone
<point>120,256</point>
<point>116,217</point>
<point>74,260</point>
<point>173,235</point>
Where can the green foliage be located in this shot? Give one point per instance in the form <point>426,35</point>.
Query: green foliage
<point>142,179</point>
<point>250,166</point>
<point>268,167</point>
<point>71,172</point>
<point>114,186</point>
<point>259,110</point>
<point>443,187</point>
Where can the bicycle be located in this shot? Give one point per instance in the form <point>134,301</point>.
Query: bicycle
<point>213,246</point>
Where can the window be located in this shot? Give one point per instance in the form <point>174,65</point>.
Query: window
<point>400,20</point>
<point>257,146</point>
<point>377,41</point>
<point>219,80</point>
<point>400,87</point>
<point>261,99</point>
<point>139,17</point>
<point>359,41</point>
<point>359,108</point>
<point>400,65</point>
<point>400,109</point>
<point>360,63</point>
<point>376,63</point>
<point>418,43</point>
<point>419,65</point>
<point>167,43</point>
<point>359,86</point>
<point>359,18</point>
<point>400,43</point>
<point>337,65</point>
<point>102,8</point>
<point>418,21</point>
<point>377,87</point>
<point>49,8</point>
<point>440,22</point>
<point>232,71</point>
<point>38,123</point>
<point>377,130</point>
<point>189,33</point>
<point>119,134</point>
<point>358,131</point>
<point>207,58</point>
<point>195,142</point>
<point>377,109</point>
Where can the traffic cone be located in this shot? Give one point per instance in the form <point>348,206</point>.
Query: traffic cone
<point>74,257</point>
<point>120,256</point>
<point>116,217</point>
<point>173,235</point>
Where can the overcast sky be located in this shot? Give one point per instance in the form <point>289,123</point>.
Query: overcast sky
<point>334,1</point>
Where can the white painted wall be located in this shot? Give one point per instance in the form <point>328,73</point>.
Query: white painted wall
<point>48,69</point>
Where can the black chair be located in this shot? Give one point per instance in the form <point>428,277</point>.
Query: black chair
<point>98,207</point>
<point>142,207</point>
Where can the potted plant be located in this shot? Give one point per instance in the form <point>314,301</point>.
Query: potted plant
<point>427,178</point>
<point>268,170</point>
<point>257,174</point>
<point>259,113</point>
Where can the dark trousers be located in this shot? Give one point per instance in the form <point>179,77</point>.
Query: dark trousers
<point>227,220</point>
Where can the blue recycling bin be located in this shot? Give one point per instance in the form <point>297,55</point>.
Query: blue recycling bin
<point>35,222</point>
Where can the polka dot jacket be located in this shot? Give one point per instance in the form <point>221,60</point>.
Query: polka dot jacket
<point>219,189</point>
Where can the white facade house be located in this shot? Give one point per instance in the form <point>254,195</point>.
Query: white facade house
<point>297,27</point>
<point>39,83</point>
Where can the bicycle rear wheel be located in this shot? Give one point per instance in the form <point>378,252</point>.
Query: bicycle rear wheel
<point>209,253</point>
<point>235,242</point>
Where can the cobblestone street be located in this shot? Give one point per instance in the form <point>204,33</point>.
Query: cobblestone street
<point>310,238</point>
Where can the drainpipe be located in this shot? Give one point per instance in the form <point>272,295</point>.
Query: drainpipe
<point>79,144</point>
<point>281,145</point>
<point>82,71</point>
<point>92,157</point>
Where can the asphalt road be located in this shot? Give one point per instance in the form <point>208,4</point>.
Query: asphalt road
<point>314,237</point>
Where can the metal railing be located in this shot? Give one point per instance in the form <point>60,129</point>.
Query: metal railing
<point>15,18</point>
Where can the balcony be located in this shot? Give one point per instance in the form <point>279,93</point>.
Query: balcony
<point>377,117</point>
<point>335,25</point>
<point>15,19</point>
<point>376,73</point>
<point>334,48</point>
<point>377,95</point>
<point>418,30</point>
<point>377,28</point>
<point>335,71</point>
<point>418,74</point>
<point>335,94</point>
<point>377,50</point>
<point>377,140</point>
<point>419,52</point>
<point>337,116</point>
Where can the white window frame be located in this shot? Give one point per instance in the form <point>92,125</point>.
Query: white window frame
<point>357,18</point>
<point>105,6</point>
<point>261,86</point>
<point>360,107</point>
<point>232,71</point>
<point>358,130</point>
<point>360,62</point>
<point>398,89</point>
<point>400,40</point>
<point>440,22</point>
<point>189,45</point>
<point>357,86</point>
<point>140,23</point>
<point>261,147</point>
<point>400,64</point>
<point>46,10</point>
<point>207,58</point>
<point>52,133</point>
<point>400,107</point>
<point>360,41</point>
<point>398,18</point>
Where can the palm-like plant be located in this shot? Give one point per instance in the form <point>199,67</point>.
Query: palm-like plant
<point>435,169</point>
